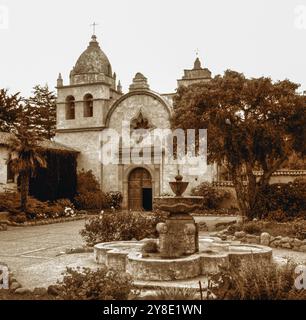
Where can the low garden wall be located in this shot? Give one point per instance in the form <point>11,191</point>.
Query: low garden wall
<point>265,239</point>
<point>5,221</point>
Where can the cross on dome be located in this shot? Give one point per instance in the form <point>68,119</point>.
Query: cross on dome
<point>93,25</point>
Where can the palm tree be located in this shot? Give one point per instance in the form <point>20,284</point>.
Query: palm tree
<point>25,159</point>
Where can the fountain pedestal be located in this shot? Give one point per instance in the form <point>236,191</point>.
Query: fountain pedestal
<point>178,236</point>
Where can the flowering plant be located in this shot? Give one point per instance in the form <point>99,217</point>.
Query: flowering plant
<point>69,212</point>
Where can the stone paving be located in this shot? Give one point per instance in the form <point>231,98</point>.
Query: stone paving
<point>33,253</point>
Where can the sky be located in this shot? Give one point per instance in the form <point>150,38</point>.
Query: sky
<point>159,38</point>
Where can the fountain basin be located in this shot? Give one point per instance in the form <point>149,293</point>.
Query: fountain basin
<point>178,204</point>
<point>126,256</point>
<point>178,187</point>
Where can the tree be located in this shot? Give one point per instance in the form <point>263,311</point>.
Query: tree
<point>252,124</point>
<point>25,158</point>
<point>42,108</point>
<point>29,120</point>
<point>9,108</point>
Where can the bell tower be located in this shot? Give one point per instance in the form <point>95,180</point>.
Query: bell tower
<point>83,103</point>
<point>197,74</point>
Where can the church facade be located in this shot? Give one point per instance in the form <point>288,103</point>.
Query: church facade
<point>93,101</point>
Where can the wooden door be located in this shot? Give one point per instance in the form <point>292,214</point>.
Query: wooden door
<point>139,179</point>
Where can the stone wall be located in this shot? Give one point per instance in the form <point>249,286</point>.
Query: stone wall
<point>3,165</point>
<point>101,105</point>
<point>88,143</point>
<point>151,108</point>
<point>188,82</point>
<point>4,186</point>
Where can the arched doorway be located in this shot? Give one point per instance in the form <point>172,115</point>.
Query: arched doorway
<point>140,190</point>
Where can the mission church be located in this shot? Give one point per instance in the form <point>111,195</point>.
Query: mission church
<point>93,101</point>
<point>90,105</point>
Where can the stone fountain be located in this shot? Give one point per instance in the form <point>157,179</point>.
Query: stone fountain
<point>178,236</point>
<point>182,253</point>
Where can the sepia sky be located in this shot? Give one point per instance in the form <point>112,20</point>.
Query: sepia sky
<point>39,39</point>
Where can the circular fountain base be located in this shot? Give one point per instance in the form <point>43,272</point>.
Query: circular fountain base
<point>213,253</point>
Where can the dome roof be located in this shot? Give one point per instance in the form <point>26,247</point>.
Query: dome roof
<point>93,60</point>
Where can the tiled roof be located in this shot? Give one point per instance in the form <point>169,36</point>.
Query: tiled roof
<point>6,140</point>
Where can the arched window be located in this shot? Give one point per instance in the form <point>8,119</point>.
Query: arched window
<point>88,105</point>
<point>70,108</point>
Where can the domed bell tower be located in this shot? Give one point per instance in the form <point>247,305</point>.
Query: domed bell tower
<point>82,105</point>
<point>84,102</point>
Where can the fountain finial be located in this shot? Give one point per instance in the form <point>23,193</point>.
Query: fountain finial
<point>178,186</point>
<point>178,177</point>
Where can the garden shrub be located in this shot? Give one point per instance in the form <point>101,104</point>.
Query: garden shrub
<point>64,203</point>
<point>89,195</point>
<point>114,199</point>
<point>277,215</point>
<point>252,228</point>
<point>40,210</point>
<point>256,280</point>
<point>294,229</point>
<point>175,294</point>
<point>290,198</point>
<point>212,196</point>
<point>10,201</point>
<point>90,201</point>
<point>100,284</point>
<point>19,218</point>
<point>87,182</point>
<point>121,226</point>
<point>299,227</point>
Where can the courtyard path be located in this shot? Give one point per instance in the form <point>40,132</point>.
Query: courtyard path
<point>32,253</point>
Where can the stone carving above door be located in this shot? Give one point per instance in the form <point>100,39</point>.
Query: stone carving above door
<point>141,122</point>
